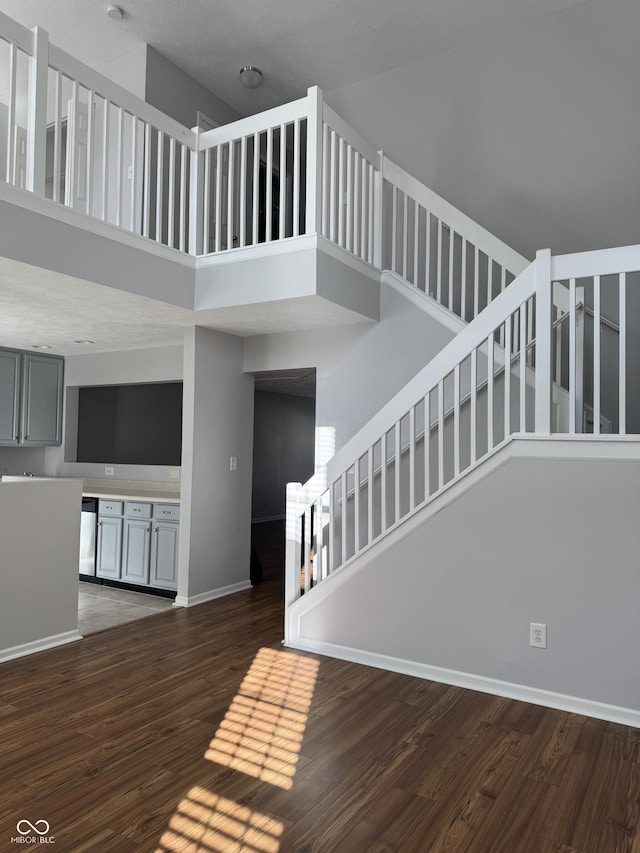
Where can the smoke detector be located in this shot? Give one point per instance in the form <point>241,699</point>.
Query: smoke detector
<point>115,12</point>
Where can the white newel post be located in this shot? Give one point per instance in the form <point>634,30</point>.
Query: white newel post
<point>543,343</point>
<point>37,113</point>
<point>196,199</point>
<point>379,224</point>
<point>293,548</point>
<point>314,161</point>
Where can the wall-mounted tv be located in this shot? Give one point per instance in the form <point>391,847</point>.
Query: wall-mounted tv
<point>130,424</point>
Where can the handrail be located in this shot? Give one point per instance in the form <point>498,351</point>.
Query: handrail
<point>91,79</point>
<point>12,31</point>
<point>459,221</point>
<point>472,336</point>
<point>257,123</point>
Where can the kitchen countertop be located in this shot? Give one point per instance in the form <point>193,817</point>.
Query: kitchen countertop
<point>132,495</point>
<point>132,490</point>
<point>121,490</point>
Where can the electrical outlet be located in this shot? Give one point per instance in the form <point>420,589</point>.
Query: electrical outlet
<point>538,635</point>
<point>108,471</point>
<point>233,463</point>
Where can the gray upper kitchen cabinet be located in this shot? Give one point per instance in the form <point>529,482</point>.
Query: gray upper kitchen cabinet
<point>42,399</point>
<point>31,387</point>
<point>10,363</point>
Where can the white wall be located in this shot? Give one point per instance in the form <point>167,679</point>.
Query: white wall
<point>532,132</point>
<point>40,539</point>
<point>129,70</point>
<point>540,540</point>
<point>215,524</point>
<point>359,368</point>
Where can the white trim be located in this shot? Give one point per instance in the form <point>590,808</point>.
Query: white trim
<point>201,598</point>
<point>256,252</point>
<point>470,681</point>
<point>39,645</point>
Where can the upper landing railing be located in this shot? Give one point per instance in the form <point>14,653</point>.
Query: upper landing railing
<point>70,136</point>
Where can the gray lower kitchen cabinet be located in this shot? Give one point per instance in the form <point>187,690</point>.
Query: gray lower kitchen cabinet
<point>136,550</point>
<point>109,557</point>
<point>31,387</point>
<point>164,555</point>
<point>138,542</point>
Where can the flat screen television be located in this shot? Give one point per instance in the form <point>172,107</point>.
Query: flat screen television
<point>130,424</point>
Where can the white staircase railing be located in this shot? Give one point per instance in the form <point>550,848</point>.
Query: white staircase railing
<point>76,138</point>
<point>494,380</point>
<point>441,251</point>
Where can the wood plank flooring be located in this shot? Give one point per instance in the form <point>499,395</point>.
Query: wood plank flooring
<point>106,739</point>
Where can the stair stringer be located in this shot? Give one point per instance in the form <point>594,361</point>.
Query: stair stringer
<point>573,589</point>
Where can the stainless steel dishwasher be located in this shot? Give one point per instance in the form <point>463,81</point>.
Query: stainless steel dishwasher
<point>88,527</point>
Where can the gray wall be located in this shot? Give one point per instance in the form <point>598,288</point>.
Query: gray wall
<point>39,571</point>
<point>552,541</point>
<point>173,91</point>
<point>532,132</point>
<point>215,526</point>
<point>283,449</point>
<point>157,364</point>
<point>359,368</point>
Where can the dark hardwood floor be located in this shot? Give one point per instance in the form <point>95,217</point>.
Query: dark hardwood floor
<point>194,730</point>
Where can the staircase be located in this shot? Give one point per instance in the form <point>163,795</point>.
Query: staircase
<point>524,381</point>
<point>539,377</point>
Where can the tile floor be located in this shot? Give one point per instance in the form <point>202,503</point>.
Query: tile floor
<point>101,607</point>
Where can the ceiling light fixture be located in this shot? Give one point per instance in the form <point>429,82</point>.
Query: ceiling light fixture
<point>41,346</point>
<point>115,12</point>
<point>85,342</point>
<point>250,76</point>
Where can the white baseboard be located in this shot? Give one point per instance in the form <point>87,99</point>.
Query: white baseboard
<point>39,645</point>
<point>201,598</point>
<point>483,684</point>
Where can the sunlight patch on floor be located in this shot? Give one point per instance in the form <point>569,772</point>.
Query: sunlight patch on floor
<point>260,735</point>
<point>262,731</point>
<point>207,823</point>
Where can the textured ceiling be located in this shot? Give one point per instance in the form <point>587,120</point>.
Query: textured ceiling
<point>296,383</point>
<point>39,307</point>
<point>297,43</point>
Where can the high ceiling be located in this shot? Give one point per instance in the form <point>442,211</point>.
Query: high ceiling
<point>296,43</point>
<point>512,123</point>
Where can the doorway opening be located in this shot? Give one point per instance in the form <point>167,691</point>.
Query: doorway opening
<point>283,452</point>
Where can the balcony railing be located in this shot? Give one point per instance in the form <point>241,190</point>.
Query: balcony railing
<point>70,136</point>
